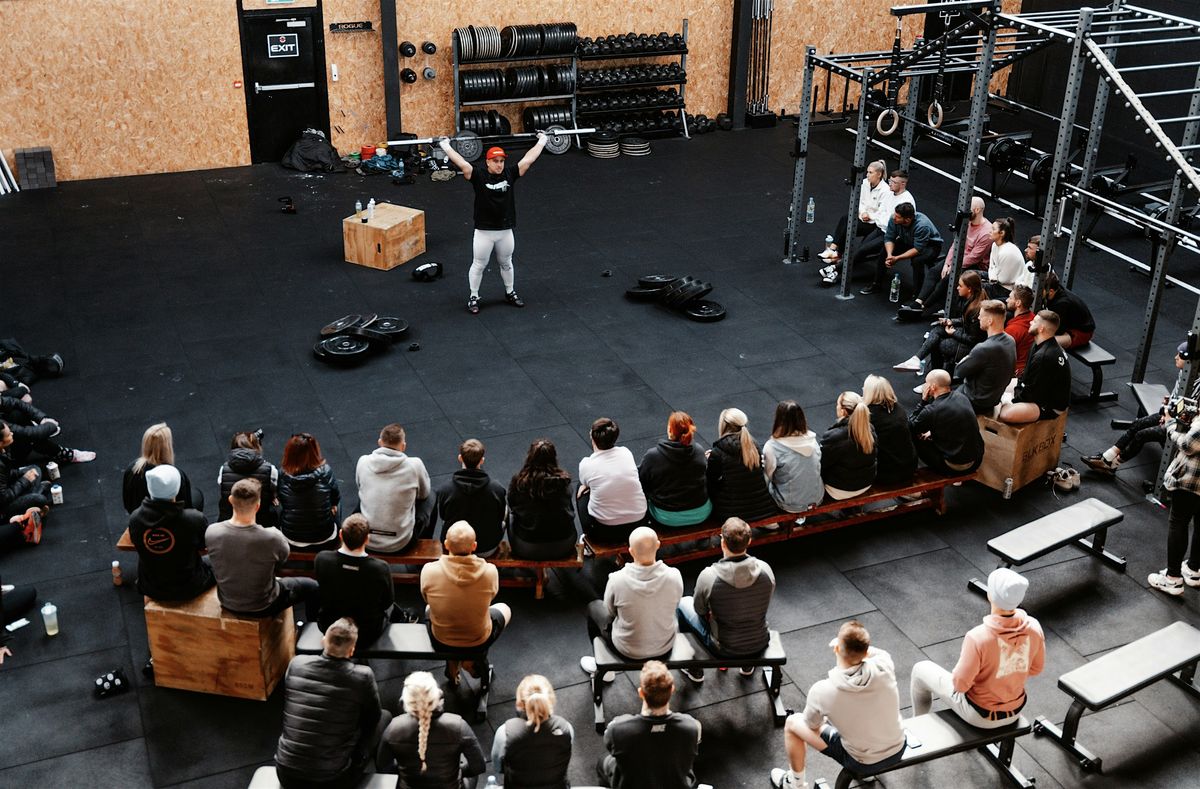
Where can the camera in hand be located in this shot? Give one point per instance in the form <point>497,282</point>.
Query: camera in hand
<point>1183,409</point>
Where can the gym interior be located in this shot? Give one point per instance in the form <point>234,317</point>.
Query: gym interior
<point>151,237</point>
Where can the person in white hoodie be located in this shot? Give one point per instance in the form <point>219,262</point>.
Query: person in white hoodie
<point>393,493</point>
<point>853,716</point>
<point>637,614</point>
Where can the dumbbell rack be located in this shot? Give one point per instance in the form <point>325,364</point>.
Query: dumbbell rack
<point>681,82</point>
<point>459,103</point>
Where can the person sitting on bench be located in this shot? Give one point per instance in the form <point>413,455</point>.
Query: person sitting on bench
<point>953,337</point>
<point>910,236</point>
<point>987,687</point>
<point>459,589</point>
<point>332,718</point>
<point>736,484</point>
<point>394,492</point>
<point>848,450</point>
<point>541,506</point>
<point>427,746</point>
<point>792,460</point>
<point>944,428</point>
<point>169,539</point>
<point>895,454</point>
<point>1020,304</point>
<point>728,608</point>
<point>852,716</point>
<point>355,585</point>
<point>245,459</point>
<point>245,557</point>
<point>637,614</point>
<point>610,500</point>
<point>975,257</point>
<point>872,250</point>
<point>1076,325</point>
<point>987,369</point>
<point>534,749</point>
<point>1183,481</point>
<point>871,197</point>
<point>1044,389</point>
<point>473,496</point>
<point>673,476</point>
<point>1148,429</point>
<point>655,749</point>
<point>158,448</point>
<point>1006,264</point>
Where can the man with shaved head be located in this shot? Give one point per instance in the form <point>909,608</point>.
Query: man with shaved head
<point>637,614</point>
<point>458,589</point>
<point>976,252</point>
<point>945,431</point>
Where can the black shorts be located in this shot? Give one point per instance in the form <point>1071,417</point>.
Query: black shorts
<point>1047,413</point>
<point>497,628</point>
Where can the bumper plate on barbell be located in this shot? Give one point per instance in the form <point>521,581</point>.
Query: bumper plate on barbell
<point>557,144</point>
<point>468,145</point>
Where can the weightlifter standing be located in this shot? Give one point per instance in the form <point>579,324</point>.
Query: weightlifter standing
<point>495,214</point>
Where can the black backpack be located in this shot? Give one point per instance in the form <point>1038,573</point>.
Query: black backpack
<point>312,153</point>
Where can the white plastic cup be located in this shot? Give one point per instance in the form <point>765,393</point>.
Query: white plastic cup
<point>50,618</point>
<point>56,494</point>
<point>52,470</point>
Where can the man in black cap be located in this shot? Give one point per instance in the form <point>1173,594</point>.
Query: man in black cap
<point>1149,429</point>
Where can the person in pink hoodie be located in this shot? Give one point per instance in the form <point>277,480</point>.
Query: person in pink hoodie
<point>987,687</point>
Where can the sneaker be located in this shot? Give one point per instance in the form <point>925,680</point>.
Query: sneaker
<point>31,525</point>
<point>828,254</point>
<point>919,388</point>
<point>694,674</point>
<point>909,365</point>
<point>1163,583</point>
<point>81,456</point>
<point>830,278</point>
<point>588,664</point>
<point>874,287</point>
<point>513,299</point>
<point>1098,463</point>
<point>782,779</point>
<point>1191,577</point>
<point>748,671</point>
<point>473,305</point>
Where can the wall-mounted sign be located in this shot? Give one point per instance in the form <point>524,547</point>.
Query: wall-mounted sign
<point>346,27</point>
<point>283,45</point>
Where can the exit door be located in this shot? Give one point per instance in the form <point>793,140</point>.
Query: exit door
<point>283,60</point>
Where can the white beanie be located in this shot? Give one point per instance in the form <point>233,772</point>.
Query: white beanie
<point>162,482</point>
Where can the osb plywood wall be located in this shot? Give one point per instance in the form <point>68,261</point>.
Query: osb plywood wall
<point>121,87</point>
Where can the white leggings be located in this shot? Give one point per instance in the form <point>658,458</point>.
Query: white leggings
<point>481,252</point>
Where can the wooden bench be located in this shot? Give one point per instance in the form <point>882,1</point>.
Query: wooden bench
<point>689,652</point>
<point>197,645</point>
<point>265,778</point>
<point>1096,358</point>
<point>943,733</point>
<point>1069,526</point>
<point>409,642</point>
<point>1022,453</point>
<point>927,488</point>
<point>421,552</point>
<point>1117,674</point>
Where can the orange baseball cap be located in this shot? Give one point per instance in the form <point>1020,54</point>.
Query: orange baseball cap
<point>496,152</point>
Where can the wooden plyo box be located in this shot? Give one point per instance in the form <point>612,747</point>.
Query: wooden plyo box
<point>1023,452</point>
<point>394,236</point>
<point>198,646</point>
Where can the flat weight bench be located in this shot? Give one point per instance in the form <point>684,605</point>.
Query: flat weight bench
<point>1069,526</point>
<point>408,642</point>
<point>1096,358</point>
<point>688,652</point>
<point>265,778</point>
<point>1124,671</point>
<point>943,733</point>
<point>1149,399</point>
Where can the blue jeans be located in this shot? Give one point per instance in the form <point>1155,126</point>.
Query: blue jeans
<point>688,618</point>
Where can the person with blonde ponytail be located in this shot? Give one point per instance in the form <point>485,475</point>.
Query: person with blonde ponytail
<point>429,748</point>
<point>158,449</point>
<point>534,752</point>
<point>673,476</point>
<point>736,485</point>
<point>848,449</point>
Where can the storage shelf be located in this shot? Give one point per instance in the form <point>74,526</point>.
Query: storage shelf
<point>627,85</point>
<point>517,59</point>
<point>667,53</point>
<point>628,110</point>
<point>522,99</point>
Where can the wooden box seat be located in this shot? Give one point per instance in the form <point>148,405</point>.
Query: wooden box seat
<point>1021,452</point>
<point>395,235</point>
<point>197,645</point>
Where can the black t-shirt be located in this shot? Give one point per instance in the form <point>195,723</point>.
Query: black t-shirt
<point>495,208</point>
<point>359,587</point>
<point>653,751</point>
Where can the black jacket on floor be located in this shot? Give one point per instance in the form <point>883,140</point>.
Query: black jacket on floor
<point>673,476</point>
<point>843,465</point>
<point>737,491</point>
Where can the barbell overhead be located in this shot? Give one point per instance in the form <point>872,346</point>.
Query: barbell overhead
<point>470,145</point>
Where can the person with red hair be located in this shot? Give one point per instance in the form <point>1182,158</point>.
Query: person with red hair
<point>308,496</point>
<point>673,476</point>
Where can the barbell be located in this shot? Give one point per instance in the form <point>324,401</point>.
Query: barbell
<point>470,145</point>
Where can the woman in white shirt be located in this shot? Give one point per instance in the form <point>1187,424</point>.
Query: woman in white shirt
<point>1006,266</point>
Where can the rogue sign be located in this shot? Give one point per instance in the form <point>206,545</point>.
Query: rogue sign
<point>283,45</point>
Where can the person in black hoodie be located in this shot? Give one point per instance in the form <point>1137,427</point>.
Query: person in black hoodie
<point>308,496</point>
<point>736,484</point>
<point>472,496</point>
<point>945,431</point>
<point>246,461</point>
<point>21,488</point>
<point>895,455</point>
<point>168,538</point>
<point>673,476</point>
<point>848,450</point>
<point>541,508</point>
<point>158,448</point>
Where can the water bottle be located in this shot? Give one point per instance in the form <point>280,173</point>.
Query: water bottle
<point>491,782</point>
<point>371,209</point>
<point>810,214</point>
<point>894,293</point>
<point>829,243</point>
<point>50,618</point>
<point>116,573</point>
<point>1008,487</point>
<point>358,210</point>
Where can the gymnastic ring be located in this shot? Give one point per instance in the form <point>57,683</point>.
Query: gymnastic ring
<point>935,110</point>
<point>884,117</point>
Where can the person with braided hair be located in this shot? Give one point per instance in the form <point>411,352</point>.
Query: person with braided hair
<point>427,747</point>
<point>534,751</point>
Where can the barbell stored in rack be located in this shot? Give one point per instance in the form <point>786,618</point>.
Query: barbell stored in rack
<point>470,145</point>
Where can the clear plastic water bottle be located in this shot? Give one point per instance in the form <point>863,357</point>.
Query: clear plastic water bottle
<point>370,209</point>
<point>491,781</point>
<point>829,243</point>
<point>358,210</point>
<point>894,292</point>
<point>810,214</point>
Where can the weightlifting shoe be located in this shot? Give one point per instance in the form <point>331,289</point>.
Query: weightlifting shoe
<point>874,287</point>
<point>1098,463</point>
<point>473,305</point>
<point>910,365</point>
<point>1191,577</point>
<point>588,664</point>
<point>512,298</point>
<point>1164,583</point>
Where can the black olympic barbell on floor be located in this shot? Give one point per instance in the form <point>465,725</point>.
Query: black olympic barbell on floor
<point>470,145</point>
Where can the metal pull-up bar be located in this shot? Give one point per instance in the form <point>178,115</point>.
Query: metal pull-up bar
<point>937,8</point>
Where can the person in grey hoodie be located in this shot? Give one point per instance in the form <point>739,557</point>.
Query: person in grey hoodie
<point>393,493</point>
<point>853,716</point>
<point>637,614</point>
<point>792,460</point>
<point>728,609</point>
